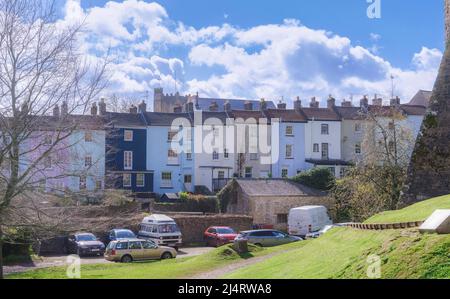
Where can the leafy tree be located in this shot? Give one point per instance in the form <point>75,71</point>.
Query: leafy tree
<point>318,178</point>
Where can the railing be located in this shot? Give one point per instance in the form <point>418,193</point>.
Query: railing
<point>218,184</point>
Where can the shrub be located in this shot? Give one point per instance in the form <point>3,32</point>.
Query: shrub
<point>200,203</point>
<point>318,178</point>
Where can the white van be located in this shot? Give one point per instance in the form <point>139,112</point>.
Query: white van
<point>160,229</point>
<point>307,219</point>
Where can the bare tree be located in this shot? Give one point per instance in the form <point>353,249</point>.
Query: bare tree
<point>44,80</point>
<point>374,184</point>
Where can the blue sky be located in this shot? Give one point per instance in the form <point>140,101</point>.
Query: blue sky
<point>271,49</point>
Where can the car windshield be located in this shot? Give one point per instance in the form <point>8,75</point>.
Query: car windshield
<point>84,238</point>
<point>168,228</point>
<point>125,234</point>
<point>225,231</point>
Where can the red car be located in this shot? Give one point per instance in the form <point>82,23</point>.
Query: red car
<point>219,235</point>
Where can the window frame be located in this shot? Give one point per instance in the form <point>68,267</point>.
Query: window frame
<point>324,129</point>
<point>123,180</point>
<point>291,147</point>
<point>88,158</point>
<point>127,166</point>
<point>289,131</point>
<point>143,180</point>
<point>130,137</point>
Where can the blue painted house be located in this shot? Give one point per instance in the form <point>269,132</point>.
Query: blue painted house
<point>126,153</point>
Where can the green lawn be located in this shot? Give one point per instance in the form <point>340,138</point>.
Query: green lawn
<point>417,212</point>
<point>176,268</point>
<point>343,253</point>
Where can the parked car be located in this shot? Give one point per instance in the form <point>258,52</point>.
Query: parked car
<point>219,235</point>
<point>84,244</point>
<point>120,234</point>
<point>129,250</point>
<point>307,219</point>
<point>162,230</point>
<point>320,232</point>
<point>266,238</point>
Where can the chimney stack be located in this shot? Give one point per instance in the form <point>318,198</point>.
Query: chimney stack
<point>364,102</point>
<point>64,109</point>
<point>94,109</point>
<point>142,107</point>
<point>56,111</point>
<point>314,103</point>
<point>298,104</point>
<point>346,103</point>
<point>248,106</point>
<point>395,102</point>
<point>331,102</point>
<point>377,101</point>
<point>281,106</point>
<point>102,106</point>
<point>214,107</point>
<point>133,109</point>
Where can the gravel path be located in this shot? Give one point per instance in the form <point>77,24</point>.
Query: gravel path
<point>220,272</point>
<point>55,261</point>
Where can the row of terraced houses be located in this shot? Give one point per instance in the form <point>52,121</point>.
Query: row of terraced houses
<point>132,150</point>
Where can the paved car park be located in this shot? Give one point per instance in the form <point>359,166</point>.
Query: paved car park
<point>54,261</point>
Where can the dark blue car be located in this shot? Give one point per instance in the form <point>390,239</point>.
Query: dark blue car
<point>120,234</point>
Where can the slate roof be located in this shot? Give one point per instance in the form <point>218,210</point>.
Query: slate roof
<point>422,98</point>
<point>204,103</point>
<point>414,110</point>
<point>350,113</point>
<point>124,119</point>
<point>165,119</point>
<point>286,115</point>
<point>321,114</point>
<point>248,114</point>
<point>275,187</point>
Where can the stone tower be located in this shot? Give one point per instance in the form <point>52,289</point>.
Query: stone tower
<point>429,171</point>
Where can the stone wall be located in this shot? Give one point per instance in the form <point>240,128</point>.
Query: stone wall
<point>192,227</point>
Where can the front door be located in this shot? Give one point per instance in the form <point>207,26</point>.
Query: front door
<point>325,151</point>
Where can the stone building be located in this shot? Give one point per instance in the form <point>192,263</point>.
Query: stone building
<point>429,171</point>
<point>169,103</point>
<point>268,201</point>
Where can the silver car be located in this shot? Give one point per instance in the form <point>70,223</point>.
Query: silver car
<point>267,237</point>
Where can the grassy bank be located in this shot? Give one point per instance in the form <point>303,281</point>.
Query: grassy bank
<point>167,269</point>
<point>343,253</point>
<point>417,212</point>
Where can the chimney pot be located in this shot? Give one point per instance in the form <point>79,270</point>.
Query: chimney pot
<point>214,107</point>
<point>133,109</point>
<point>64,109</point>
<point>281,106</point>
<point>331,102</point>
<point>102,106</point>
<point>56,111</point>
<point>364,102</point>
<point>314,103</point>
<point>298,104</point>
<point>94,109</point>
<point>263,104</point>
<point>142,107</point>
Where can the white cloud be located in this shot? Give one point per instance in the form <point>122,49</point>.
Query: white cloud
<point>270,61</point>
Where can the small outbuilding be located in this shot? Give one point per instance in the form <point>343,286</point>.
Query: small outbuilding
<point>269,201</point>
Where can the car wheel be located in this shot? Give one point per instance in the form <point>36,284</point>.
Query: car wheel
<point>166,256</point>
<point>126,259</point>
